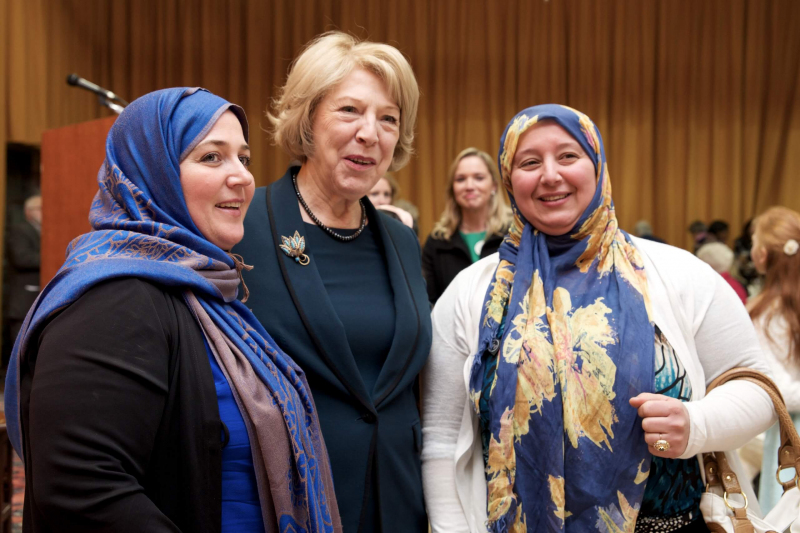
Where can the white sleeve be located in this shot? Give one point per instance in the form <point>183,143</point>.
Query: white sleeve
<point>725,338</point>
<point>443,398</point>
<point>776,350</point>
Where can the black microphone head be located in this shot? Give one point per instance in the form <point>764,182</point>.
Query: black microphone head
<point>72,79</point>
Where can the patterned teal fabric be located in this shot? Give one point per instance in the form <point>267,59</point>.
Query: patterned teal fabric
<point>674,486</point>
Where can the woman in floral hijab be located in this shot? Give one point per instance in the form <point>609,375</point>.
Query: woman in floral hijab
<point>554,397</point>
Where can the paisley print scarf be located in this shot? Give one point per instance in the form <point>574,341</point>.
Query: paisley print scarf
<point>566,321</point>
<point>142,228</point>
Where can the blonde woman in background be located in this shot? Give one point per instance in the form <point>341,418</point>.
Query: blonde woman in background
<point>776,316</point>
<point>472,225</point>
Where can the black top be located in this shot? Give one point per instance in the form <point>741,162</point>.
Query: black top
<point>120,423</point>
<point>363,302</point>
<point>372,432</point>
<point>443,259</point>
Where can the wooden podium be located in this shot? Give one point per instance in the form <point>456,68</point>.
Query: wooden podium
<point>71,158</point>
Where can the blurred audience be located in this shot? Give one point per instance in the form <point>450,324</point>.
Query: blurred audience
<point>720,257</point>
<point>472,225</point>
<point>700,234</point>
<point>744,269</point>
<point>644,230</point>
<point>776,315</point>
<point>24,242</point>
<point>719,231</point>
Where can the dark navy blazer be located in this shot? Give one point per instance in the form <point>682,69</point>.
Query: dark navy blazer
<point>373,437</point>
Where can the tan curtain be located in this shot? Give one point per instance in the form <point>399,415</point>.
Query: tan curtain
<point>697,101</point>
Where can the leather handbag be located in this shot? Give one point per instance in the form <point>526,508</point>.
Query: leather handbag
<point>723,504</point>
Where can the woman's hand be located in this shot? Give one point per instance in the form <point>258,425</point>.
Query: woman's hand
<point>663,418</point>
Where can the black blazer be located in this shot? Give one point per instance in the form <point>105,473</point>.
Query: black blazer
<point>373,437</point>
<point>118,400</point>
<point>443,259</point>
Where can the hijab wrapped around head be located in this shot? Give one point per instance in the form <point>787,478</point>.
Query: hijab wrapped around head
<point>565,341</point>
<point>142,228</point>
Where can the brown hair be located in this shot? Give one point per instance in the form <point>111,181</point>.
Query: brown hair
<point>776,227</point>
<point>499,212</point>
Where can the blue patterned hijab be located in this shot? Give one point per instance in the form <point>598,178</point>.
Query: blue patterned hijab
<point>142,228</point>
<point>566,323</point>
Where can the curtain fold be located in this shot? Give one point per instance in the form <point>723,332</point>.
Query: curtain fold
<point>697,101</point>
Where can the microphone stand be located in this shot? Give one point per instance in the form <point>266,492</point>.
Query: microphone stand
<point>104,96</point>
<point>116,108</point>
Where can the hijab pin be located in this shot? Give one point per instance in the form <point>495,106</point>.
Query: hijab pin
<point>295,247</point>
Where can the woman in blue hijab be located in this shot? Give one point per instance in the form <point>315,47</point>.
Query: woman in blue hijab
<point>565,388</point>
<point>141,394</point>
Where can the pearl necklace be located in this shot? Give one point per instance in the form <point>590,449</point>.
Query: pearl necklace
<point>326,229</point>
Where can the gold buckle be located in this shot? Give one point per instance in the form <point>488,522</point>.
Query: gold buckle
<point>778,476</point>
<point>731,507</point>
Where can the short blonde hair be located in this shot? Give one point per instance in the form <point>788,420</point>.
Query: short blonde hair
<point>499,212</point>
<point>322,65</point>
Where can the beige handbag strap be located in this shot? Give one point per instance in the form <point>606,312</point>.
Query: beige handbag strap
<point>717,469</point>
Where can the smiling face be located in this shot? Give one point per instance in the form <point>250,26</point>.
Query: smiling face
<point>472,184</point>
<point>217,186</point>
<point>381,193</point>
<point>552,177</point>
<point>356,128</point>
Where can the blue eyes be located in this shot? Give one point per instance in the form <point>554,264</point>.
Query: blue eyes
<point>387,118</point>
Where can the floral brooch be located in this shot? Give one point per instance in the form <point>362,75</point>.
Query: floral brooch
<point>295,248</point>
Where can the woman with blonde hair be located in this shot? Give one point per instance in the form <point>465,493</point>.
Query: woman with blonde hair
<point>337,282</point>
<point>472,225</point>
<point>776,315</point>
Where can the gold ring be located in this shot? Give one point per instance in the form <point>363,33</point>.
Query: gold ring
<point>661,445</point>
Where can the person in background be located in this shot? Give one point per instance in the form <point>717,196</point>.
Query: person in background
<point>23,254</point>
<point>720,258</point>
<point>473,223</point>
<point>644,230</point>
<point>776,315</point>
<point>720,230</point>
<point>385,191</point>
<point>383,196</point>
<point>141,395</point>
<point>339,283</point>
<point>743,263</point>
<point>700,234</point>
<point>566,385</point>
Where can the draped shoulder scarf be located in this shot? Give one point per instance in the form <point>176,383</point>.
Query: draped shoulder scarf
<point>566,322</point>
<point>142,228</point>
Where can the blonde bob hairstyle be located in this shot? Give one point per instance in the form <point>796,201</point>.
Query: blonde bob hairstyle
<point>499,213</point>
<point>322,65</point>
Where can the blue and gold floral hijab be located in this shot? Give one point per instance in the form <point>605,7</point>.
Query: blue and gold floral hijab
<point>565,341</point>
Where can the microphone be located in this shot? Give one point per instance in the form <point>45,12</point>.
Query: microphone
<point>77,81</point>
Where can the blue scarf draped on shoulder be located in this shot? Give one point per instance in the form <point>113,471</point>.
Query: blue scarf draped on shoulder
<point>566,319</point>
<point>142,228</point>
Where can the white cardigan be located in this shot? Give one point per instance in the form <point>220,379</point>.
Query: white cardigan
<point>695,308</point>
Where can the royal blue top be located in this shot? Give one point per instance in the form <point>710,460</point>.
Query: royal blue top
<point>241,508</point>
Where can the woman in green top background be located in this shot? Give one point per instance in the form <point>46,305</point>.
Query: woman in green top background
<point>472,225</point>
